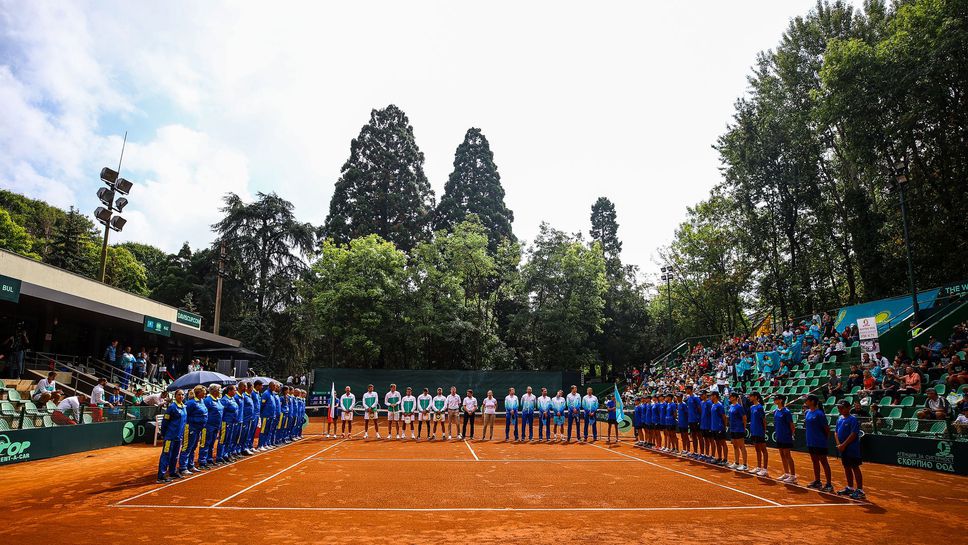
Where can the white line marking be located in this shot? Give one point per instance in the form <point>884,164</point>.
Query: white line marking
<point>690,475</point>
<point>472,450</point>
<point>276,474</point>
<point>488,460</point>
<point>491,509</point>
<point>204,473</point>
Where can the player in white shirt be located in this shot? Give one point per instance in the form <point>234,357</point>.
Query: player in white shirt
<point>371,402</point>
<point>346,403</point>
<point>511,411</point>
<point>392,401</point>
<point>438,412</point>
<point>453,410</point>
<point>409,406</point>
<point>573,400</point>
<point>559,407</point>
<point>45,389</point>
<point>544,416</point>
<point>470,408</point>
<point>424,402</point>
<point>69,410</point>
<point>589,407</point>
<point>528,403</point>
<point>489,404</point>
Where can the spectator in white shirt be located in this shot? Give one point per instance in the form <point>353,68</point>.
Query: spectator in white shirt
<point>490,409</point>
<point>68,410</point>
<point>470,408</point>
<point>453,412</point>
<point>98,402</point>
<point>45,389</point>
<point>156,400</point>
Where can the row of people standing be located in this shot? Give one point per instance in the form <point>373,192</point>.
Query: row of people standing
<point>217,427</point>
<point>454,412</point>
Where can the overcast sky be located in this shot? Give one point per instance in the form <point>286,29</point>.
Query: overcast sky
<point>578,100</point>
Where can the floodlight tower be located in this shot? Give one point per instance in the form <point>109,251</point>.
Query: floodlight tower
<point>105,214</point>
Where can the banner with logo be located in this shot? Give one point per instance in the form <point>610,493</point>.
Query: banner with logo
<point>39,443</point>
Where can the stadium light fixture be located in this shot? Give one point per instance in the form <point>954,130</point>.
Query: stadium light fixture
<point>123,186</point>
<point>104,214</point>
<point>106,196</point>
<point>109,176</point>
<point>900,175</point>
<point>120,204</point>
<point>117,223</point>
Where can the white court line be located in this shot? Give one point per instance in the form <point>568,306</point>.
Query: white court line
<point>472,450</point>
<point>488,460</point>
<point>276,474</point>
<point>690,475</point>
<point>204,473</point>
<point>493,509</point>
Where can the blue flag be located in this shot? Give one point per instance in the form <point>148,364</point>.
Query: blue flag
<point>619,410</point>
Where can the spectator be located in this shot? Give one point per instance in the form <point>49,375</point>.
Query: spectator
<point>141,364</point>
<point>156,400</point>
<point>960,425</point>
<point>68,412</point>
<point>45,389</point>
<point>855,378</point>
<point>127,365</point>
<point>17,345</point>
<point>111,354</point>
<point>935,407</point>
<point>890,386</point>
<point>835,387</point>
<point>957,374</point>
<point>98,401</point>
<point>115,402</point>
<point>911,383</point>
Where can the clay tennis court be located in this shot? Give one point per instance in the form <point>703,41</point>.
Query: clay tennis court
<point>367,490</point>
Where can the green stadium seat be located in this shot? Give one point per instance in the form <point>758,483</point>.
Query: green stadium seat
<point>3,385</point>
<point>942,389</point>
<point>895,412</point>
<point>13,395</point>
<point>27,424</point>
<point>801,382</point>
<point>4,425</point>
<point>832,400</point>
<point>814,383</point>
<point>855,344</point>
<point>854,390</point>
<point>48,421</point>
<point>961,355</point>
<point>7,409</point>
<point>86,418</point>
<point>31,409</point>
<point>51,406</point>
<point>907,401</point>
<point>963,389</point>
<point>833,359</point>
<point>903,427</point>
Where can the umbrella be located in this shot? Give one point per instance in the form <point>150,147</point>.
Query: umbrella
<point>204,378</point>
<point>265,380</point>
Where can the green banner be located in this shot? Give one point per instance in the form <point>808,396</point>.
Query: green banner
<point>39,443</point>
<point>157,326</point>
<point>188,318</point>
<point>9,289</point>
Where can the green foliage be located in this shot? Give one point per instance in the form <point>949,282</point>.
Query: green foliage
<point>605,231</point>
<point>382,188</point>
<point>75,246</point>
<point>474,187</point>
<point>153,259</point>
<point>124,271</point>
<point>15,238</point>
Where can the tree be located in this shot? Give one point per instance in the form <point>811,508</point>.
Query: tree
<point>382,188</point>
<point>605,231</point>
<point>474,187</point>
<point>125,272</point>
<point>15,238</point>
<point>153,259</point>
<point>74,246</point>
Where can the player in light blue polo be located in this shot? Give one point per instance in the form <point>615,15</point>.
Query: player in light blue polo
<point>573,399</point>
<point>528,402</point>
<point>545,415</point>
<point>589,409</point>
<point>559,406</point>
<point>511,409</point>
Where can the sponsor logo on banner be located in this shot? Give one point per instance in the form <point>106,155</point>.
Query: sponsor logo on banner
<point>942,460</point>
<point>867,328</point>
<point>127,432</point>
<point>13,451</point>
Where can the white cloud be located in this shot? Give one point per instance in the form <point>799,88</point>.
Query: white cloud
<point>620,99</point>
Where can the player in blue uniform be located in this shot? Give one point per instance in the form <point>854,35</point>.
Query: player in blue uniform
<point>196,418</point>
<point>783,434</point>
<point>817,428</point>
<point>172,430</point>
<point>256,398</point>
<point>669,424</point>
<point>573,400</point>
<point>230,421</point>
<point>652,411</point>
<point>717,428</point>
<point>265,414</point>
<point>694,412</point>
<point>276,414</point>
<point>737,432</point>
<point>705,427</point>
<point>637,422</point>
<point>545,415</point>
<point>213,426</point>
<point>682,415</point>
<point>245,414</point>
<point>589,410</point>
<point>848,444</point>
<point>612,418</point>
<point>758,434</point>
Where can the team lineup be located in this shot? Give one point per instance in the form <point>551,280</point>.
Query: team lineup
<point>556,416</point>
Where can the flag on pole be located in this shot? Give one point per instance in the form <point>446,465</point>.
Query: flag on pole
<point>619,410</point>
<point>332,401</point>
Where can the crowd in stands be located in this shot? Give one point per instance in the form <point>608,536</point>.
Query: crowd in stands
<point>765,361</point>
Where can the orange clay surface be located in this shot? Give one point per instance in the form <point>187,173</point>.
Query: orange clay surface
<point>365,491</point>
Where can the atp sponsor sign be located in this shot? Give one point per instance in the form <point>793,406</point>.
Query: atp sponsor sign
<point>13,451</point>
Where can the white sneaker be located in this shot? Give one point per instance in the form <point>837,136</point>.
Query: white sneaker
<point>783,478</point>
<point>378,435</point>
<point>366,436</point>
<point>399,436</point>
<point>731,466</point>
<point>741,468</point>
<point>327,436</point>
<point>792,479</point>
<point>459,437</point>
<point>412,436</point>
<point>449,437</point>
<point>763,472</point>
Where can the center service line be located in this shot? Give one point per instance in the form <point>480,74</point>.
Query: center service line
<point>472,450</point>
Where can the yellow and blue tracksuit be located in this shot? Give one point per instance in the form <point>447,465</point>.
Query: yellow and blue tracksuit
<point>194,433</point>
<point>302,417</point>
<point>291,419</point>
<point>172,428</point>
<point>212,429</point>
<point>266,422</point>
<point>254,421</point>
<point>230,424</point>
<point>245,417</point>
<point>284,408</point>
<point>590,411</point>
<point>276,418</point>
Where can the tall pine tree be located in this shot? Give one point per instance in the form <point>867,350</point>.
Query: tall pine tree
<point>605,231</point>
<point>474,187</point>
<point>74,246</point>
<point>382,188</point>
